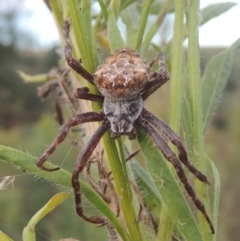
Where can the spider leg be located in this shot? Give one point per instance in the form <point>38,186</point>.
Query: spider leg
<point>170,156</point>
<point>158,78</point>
<point>80,164</point>
<point>175,139</point>
<point>83,93</point>
<point>73,121</point>
<point>73,63</point>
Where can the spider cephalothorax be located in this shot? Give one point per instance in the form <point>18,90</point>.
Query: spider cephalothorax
<point>125,81</point>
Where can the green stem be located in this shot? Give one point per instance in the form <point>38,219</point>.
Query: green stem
<point>99,23</point>
<point>123,161</point>
<point>156,25</point>
<point>196,107</point>
<point>176,71</point>
<point>82,36</point>
<point>122,188</point>
<point>58,16</point>
<point>176,83</point>
<point>142,22</point>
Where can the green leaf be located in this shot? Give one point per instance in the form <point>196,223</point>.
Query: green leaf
<point>145,10</point>
<point>217,188</point>
<point>115,5</point>
<point>4,237</point>
<point>214,10</point>
<point>214,80</point>
<point>129,16</point>
<point>29,230</point>
<point>125,3</point>
<point>114,36</point>
<point>145,183</point>
<point>103,9</point>
<point>173,198</point>
<point>186,116</point>
<point>162,11</point>
<point>33,78</point>
<point>27,163</point>
<point>82,39</point>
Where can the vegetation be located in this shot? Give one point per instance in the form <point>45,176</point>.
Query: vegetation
<point>192,106</point>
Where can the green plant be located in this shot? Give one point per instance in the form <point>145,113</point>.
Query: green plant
<point>200,101</point>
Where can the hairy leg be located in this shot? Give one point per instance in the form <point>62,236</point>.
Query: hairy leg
<point>83,93</point>
<point>157,78</point>
<point>175,140</point>
<point>73,63</point>
<point>80,164</point>
<point>73,121</point>
<point>170,156</point>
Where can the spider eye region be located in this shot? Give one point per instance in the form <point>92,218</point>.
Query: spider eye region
<point>122,75</point>
<point>122,115</point>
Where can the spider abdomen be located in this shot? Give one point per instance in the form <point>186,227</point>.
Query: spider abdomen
<point>122,115</point>
<point>123,75</point>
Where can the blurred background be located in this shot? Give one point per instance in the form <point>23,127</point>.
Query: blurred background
<point>29,42</point>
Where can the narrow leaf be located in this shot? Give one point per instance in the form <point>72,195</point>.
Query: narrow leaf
<point>145,10</point>
<point>217,188</point>
<point>114,36</point>
<point>186,116</point>
<point>115,4</point>
<point>4,237</point>
<point>103,9</point>
<point>27,163</point>
<point>145,183</point>
<point>172,196</point>
<point>29,230</point>
<point>33,78</point>
<point>81,35</point>
<point>215,78</point>
<point>125,3</point>
<point>129,16</point>
<point>214,10</point>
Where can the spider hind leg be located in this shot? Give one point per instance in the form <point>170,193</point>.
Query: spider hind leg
<point>175,140</point>
<point>170,156</point>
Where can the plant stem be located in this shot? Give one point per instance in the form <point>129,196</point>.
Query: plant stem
<point>196,105</point>
<point>122,188</point>
<point>142,22</point>
<point>156,25</point>
<point>176,70</point>
<point>175,92</point>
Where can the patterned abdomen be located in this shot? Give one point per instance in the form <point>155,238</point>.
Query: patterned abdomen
<point>123,75</point>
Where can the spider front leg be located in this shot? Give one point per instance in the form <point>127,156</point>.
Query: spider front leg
<point>73,63</point>
<point>80,164</point>
<point>73,121</point>
<point>83,93</point>
<point>170,156</point>
<point>157,78</point>
<point>175,139</point>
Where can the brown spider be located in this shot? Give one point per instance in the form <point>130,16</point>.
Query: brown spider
<point>125,81</point>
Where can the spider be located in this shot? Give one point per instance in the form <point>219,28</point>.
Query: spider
<point>125,81</point>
